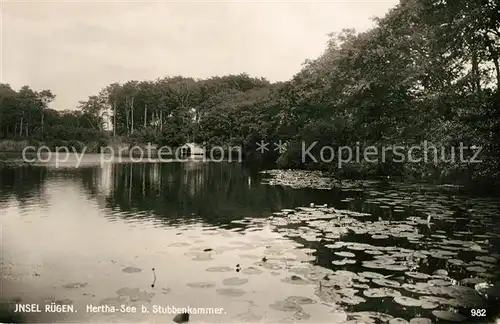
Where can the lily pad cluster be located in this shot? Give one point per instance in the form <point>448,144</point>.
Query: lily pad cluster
<point>430,254</point>
<point>426,253</point>
<point>310,179</point>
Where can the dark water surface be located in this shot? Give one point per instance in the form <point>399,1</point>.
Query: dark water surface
<point>91,236</point>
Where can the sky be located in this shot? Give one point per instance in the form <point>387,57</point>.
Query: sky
<point>76,48</point>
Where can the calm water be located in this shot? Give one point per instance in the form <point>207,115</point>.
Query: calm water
<point>92,235</point>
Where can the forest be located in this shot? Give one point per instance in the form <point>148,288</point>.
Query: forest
<point>428,71</point>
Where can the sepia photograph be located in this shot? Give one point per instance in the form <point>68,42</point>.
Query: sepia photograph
<point>266,161</point>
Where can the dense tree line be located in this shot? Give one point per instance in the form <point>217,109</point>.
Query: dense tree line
<point>429,70</point>
<point>174,110</point>
<point>24,115</point>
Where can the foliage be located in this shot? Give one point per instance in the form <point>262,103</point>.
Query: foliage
<point>25,119</point>
<point>427,72</point>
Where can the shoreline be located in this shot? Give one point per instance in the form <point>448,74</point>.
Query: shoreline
<point>273,174</point>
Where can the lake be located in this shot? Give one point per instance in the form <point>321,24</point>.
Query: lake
<point>218,236</point>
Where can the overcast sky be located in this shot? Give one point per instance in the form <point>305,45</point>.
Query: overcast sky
<point>75,48</point>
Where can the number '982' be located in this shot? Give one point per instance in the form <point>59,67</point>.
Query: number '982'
<point>478,312</point>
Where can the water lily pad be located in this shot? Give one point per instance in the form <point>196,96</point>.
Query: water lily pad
<point>269,265</point>
<point>373,252</point>
<point>286,306</point>
<point>135,294</point>
<point>407,301</point>
<point>234,281</point>
<point>384,260</point>
<point>381,293</point>
<point>372,265</point>
<point>395,267</point>
<point>75,285</point>
<point>440,272</point>
<point>488,259</point>
<point>231,292</point>
<point>435,299</point>
<point>439,282</point>
<point>370,317</point>
<point>301,316</point>
<point>345,254</point>
<point>126,291</point>
<point>113,301</point>
<point>387,283</point>
<point>420,320</point>
<point>296,280</point>
<point>299,300</point>
<point>371,275</point>
<point>398,320</point>
<point>352,300</point>
<point>131,270</point>
<point>380,237</point>
<point>449,316</point>
<point>251,271</point>
<point>471,281</point>
<point>429,305</point>
<point>456,262</point>
<point>201,284</point>
<point>418,288</point>
<point>219,269</point>
<point>417,275</point>
<point>300,270</point>
<point>202,257</point>
<point>336,245</point>
<point>344,262</point>
<point>357,246</point>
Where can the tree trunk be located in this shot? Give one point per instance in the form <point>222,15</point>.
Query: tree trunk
<point>497,70</point>
<point>145,115</point>
<point>127,117</point>
<point>43,114</point>
<point>90,122</point>
<point>475,73</point>
<point>114,118</point>
<point>132,115</point>
<point>161,120</point>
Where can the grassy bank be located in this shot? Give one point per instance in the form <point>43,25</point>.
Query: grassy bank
<point>16,146</point>
<point>116,145</point>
